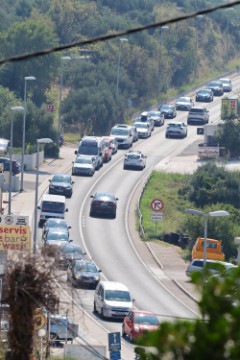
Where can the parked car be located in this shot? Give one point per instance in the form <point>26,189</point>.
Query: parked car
<point>216,87</point>
<point>204,95</point>
<point>103,203</point>
<point>157,117</point>
<point>143,129</point>
<point>135,160</point>
<point>67,253</point>
<point>83,273</point>
<point>213,266</point>
<point>55,223</point>
<point>169,111</point>
<point>16,167</point>
<point>84,165</point>
<point>227,84</point>
<point>184,103</point>
<point>138,322</point>
<point>61,184</point>
<point>176,129</point>
<point>198,116</point>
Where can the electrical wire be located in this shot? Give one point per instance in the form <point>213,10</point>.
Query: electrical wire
<point>110,36</point>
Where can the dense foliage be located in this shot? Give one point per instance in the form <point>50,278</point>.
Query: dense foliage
<point>215,335</point>
<point>151,62</point>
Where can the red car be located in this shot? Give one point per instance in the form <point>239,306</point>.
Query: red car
<point>108,150</point>
<point>137,322</point>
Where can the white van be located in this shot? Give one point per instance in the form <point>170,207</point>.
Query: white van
<point>93,146</point>
<point>112,300</point>
<point>123,134</point>
<point>52,206</point>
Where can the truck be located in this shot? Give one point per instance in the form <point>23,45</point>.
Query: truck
<point>214,249</point>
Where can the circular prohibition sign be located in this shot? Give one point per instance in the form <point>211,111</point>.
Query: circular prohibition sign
<point>156,205</point>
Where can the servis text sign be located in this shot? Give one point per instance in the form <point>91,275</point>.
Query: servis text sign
<point>15,237</point>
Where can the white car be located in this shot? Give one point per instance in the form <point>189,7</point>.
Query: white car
<point>184,103</point>
<point>157,117</point>
<point>176,129</point>
<point>134,159</point>
<point>143,129</point>
<point>84,165</point>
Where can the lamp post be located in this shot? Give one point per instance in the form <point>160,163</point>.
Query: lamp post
<point>39,141</point>
<point>13,108</point>
<point>196,34</point>
<point>206,216</point>
<point>162,29</point>
<point>63,58</point>
<point>27,78</point>
<point>119,60</point>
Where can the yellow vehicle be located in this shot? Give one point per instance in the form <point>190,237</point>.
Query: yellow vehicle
<point>214,249</point>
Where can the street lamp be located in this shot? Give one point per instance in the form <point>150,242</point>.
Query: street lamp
<point>162,29</point>
<point>119,59</point>
<point>196,34</point>
<point>27,78</point>
<point>39,141</point>
<point>205,216</point>
<point>63,58</point>
<point>13,108</point>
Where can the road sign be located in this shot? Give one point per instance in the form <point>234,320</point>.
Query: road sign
<point>156,216</point>
<point>39,319</point>
<point>156,205</point>
<point>115,355</point>
<point>114,341</point>
<point>14,220</point>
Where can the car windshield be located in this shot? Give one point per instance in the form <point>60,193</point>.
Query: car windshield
<point>104,197</point>
<point>117,295</point>
<point>214,83</point>
<point>183,100</point>
<point>57,236</point>
<point>53,207</point>
<point>175,125</point>
<point>141,126</point>
<point>71,250</point>
<point>120,131</point>
<point>146,319</point>
<point>83,161</point>
<point>61,179</point>
<point>225,81</point>
<point>88,149</point>
<point>197,110</point>
<point>204,91</point>
<point>56,223</point>
<point>166,107</point>
<point>86,267</point>
<point>133,156</point>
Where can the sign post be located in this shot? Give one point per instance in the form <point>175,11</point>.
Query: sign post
<point>114,345</point>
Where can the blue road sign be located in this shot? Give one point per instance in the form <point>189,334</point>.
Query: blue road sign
<point>114,341</point>
<point>115,355</point>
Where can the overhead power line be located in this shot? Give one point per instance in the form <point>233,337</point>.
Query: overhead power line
<point>103,38</point>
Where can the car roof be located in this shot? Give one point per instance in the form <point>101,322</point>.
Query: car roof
<point>113,285</point>
<point>56,221</point>
<point>62,175</point>
<point>102,194</point>
<point>175,123</point>
<point>144,312</point>
<point>57,230</point>
<point>184,97</point>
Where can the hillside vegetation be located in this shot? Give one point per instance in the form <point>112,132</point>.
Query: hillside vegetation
<point>153,64</point>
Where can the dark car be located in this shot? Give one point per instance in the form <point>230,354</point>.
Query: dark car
<point>16,167</point>
<point>83,273</point>
<point>169,111</point>
<point>103,203</point>
<point>216,87</point>
<point>205,95</point>
<point>67,253</point>
<point>56,237</point>
<point>61,184</point>
<point>54,223</point>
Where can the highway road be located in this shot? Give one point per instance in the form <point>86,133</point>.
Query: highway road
<point>109,242</point>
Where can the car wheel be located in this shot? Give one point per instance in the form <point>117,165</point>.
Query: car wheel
<point>131,338</point>
<point>166,136</point>
<point>94,308</point>
<point>123,332</point>
<point>124,168</point>
<point>102,314</point>
<point>91,213</point>
<point>114,214</point>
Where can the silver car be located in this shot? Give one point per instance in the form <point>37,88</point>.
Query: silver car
<point>134,160</point>
<point>84,165</point>
<point>176,129</point>
<point>143,129</point>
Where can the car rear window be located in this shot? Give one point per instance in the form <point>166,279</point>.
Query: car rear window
<point>197,110</point>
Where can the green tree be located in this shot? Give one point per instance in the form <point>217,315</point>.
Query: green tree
<point>28,36</point>
<point>228,136</point>
<point>214,336</point>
